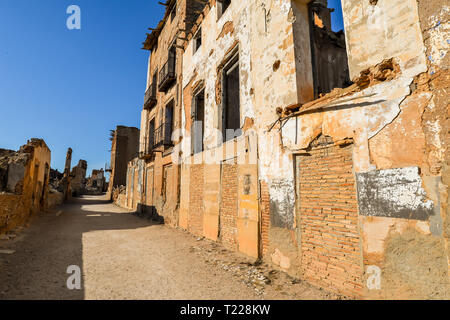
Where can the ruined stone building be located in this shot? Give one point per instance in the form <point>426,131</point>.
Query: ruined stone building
<point>96,183</point>
<point>124,148</point>
<point>323,153</point>
<point>65,182</point>
<point>78,179</point>
<point>24,179</point>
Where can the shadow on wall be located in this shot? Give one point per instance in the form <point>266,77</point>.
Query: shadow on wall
<point>38,268</point>
<point>149,212</point>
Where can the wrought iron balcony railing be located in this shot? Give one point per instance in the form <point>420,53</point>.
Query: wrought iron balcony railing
<point>167,74</point>
<point>146,150</point>
<point>163,135</point>
<point>150,97</point>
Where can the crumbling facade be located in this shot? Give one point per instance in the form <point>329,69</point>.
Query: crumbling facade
<point>124,148</point>
<point>380,160</point>
<point>24,179</point>
<point>153,183</point>
<point>78,179</point>
<point>281,157</point>
<point>65,182</point>
<point>96,183</point>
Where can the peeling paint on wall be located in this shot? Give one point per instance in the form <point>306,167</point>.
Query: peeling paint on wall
<point>282,203</point>
<point>394,193</point>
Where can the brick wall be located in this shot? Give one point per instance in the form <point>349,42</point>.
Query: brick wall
<point>195,217</point>
<point>331,256</point>
<point>265,216</point>
<point>229,206</point>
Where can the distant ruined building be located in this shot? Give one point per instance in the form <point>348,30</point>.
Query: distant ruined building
<point>78,179</point>
<point>323,153</point>
<point>124,148</point>
<point>96,183</point>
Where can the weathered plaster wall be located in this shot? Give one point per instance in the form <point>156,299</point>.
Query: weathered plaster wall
<point>391,27</point>
<point>398,146</point>
<point>30,195</point>
<point>268,80</point>
<point>301,41</point>
<point>220,37</point>
<point>396,127</point>
<point>285,31</point>
<point>165,197</point>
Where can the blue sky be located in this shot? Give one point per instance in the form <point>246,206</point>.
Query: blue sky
<point>70,87</point>
<point>336,16</point>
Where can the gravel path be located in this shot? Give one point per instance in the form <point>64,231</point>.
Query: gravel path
<point>126,257</point>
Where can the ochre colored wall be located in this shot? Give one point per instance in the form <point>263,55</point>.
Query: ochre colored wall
<point>16,209</point>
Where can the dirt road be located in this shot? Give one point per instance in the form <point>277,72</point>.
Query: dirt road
<point>122,256</point>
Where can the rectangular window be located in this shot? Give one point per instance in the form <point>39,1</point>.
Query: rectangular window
<point>198,123</point>
<point>167,76</point>
<point>151,134</point>
<point>328,49</point>
<point>168,123</point>
<point>231,107</point>
<point>172,58</point>
<point>154,81</point>
<point>222,6</point>
<point>198,40</point>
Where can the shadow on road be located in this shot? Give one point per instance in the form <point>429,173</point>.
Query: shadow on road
<point>54,241</point>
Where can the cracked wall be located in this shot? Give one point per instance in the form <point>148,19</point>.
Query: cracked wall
<point>393,120</point>
<point>396,127</point>
<point>26,190</point>
<point>267,80</point>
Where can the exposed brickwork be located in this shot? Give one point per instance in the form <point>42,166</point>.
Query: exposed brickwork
<point>331,256</point>
<point>229,206</point>
<point>149,187</point>
<point>196,195</point>
<point>265,216</point>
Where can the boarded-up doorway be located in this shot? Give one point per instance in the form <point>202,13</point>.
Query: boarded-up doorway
<point>328,217</point>
<point>149,182</point>
<point>228,229</point>
<point>196,199</point>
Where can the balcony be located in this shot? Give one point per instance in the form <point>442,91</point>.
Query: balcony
<point>160,137</point>
<point>150,97</point>
<point>167,75</point>
<point>163,135</point>
<point>146,152</point>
